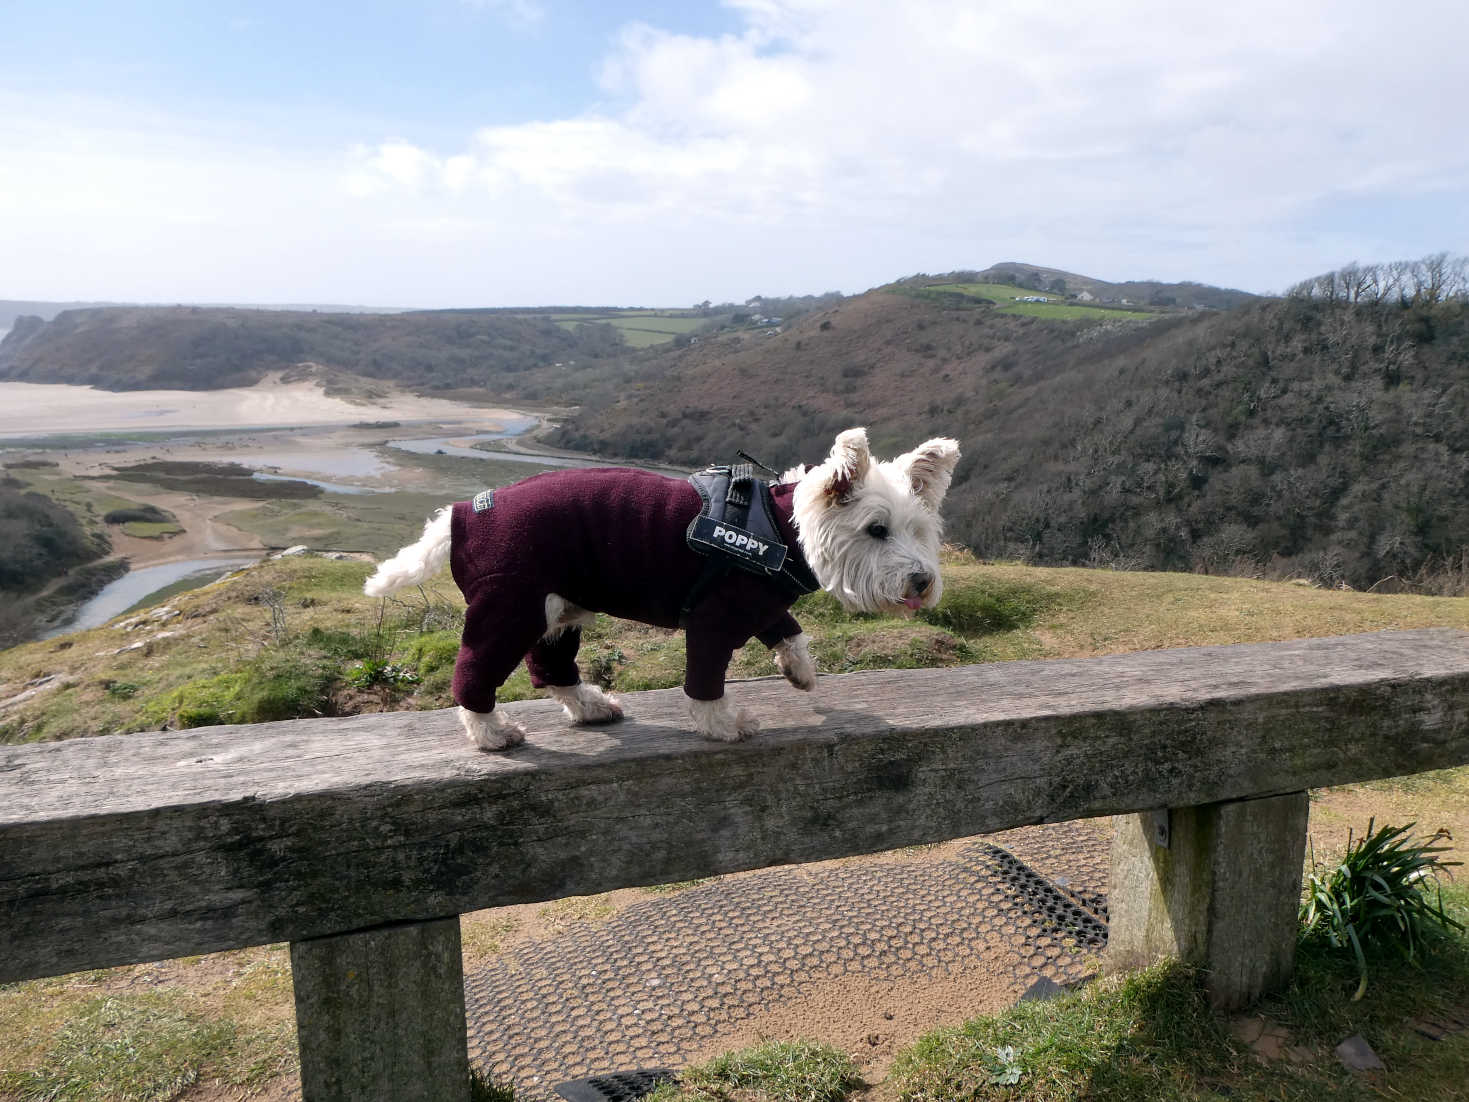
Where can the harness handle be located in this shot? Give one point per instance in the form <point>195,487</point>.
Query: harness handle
<point>763,466</point>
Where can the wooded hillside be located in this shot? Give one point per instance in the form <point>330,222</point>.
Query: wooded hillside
<point>1292,436</point>
<point>201,348</point>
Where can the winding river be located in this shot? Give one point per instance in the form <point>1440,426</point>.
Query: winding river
<point>345,466</point>
<point>137,586</point>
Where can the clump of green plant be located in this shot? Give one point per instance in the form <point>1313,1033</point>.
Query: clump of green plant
<point>781,1071</point>
<point>482,1089</point>
<point>141,514</point>
<point>984,606</point>
<point>373,672</point>
<point>1378,896</point>
<point>280,683</point>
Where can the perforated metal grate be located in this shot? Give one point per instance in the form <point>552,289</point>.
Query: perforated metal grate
<point>666,976</point>
<point>617,1086</point>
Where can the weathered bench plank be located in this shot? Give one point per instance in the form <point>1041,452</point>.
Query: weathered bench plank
<point>141,847</point>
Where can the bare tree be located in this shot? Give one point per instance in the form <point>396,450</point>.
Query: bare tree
<point>1430,281</point>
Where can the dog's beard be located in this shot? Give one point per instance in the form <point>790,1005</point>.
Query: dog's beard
<point>866,577</point>
<point>878,594</point>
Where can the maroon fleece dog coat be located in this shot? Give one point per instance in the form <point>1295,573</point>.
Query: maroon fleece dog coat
<point>608,540</point>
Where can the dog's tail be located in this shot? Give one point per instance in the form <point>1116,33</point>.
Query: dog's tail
<point>415,562</point>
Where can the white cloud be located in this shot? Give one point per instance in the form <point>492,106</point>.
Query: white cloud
<point>835,145</point>
<point>1108,134</point>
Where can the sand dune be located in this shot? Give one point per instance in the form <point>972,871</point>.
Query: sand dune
<point>36,409</point>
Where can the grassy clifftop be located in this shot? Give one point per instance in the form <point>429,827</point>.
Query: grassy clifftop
<point>296,637</point>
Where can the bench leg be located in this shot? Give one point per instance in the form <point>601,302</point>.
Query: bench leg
<point>1217,886</point>
<point>380,1014</point>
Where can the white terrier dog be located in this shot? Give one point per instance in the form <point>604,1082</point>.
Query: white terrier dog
<point>536,560</point>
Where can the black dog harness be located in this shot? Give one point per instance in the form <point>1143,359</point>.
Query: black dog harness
<point>736,530</point>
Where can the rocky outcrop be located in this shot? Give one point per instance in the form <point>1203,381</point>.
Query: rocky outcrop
<point>20,334</point>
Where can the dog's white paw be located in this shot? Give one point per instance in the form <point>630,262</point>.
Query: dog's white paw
<point>722,721</point>
<point>491,730</point>
<point>585,703</point>
<point>793,659</point>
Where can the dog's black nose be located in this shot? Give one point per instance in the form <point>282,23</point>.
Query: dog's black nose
<point>920,583</point>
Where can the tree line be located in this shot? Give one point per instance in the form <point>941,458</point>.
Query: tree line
<point>1430,281</point>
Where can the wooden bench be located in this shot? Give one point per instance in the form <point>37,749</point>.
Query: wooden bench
<point>360,840</point>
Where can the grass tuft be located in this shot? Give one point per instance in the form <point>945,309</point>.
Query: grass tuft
<point>1143,1036</point>
<point>482,1089</point>
<point>143,1048</point>
<point>986,605</point>
<point>776,1071</point>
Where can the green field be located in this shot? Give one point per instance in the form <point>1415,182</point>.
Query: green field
<point>640,328</point>
<point>1058,309</point>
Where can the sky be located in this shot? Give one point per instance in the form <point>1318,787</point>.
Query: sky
<point>434,153</point>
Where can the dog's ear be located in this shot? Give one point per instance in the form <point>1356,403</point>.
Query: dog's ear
<point>847,465</point>
<point>929,467</point>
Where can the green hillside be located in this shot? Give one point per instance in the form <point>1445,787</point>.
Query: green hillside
<point>1289,437</point>
<point>199,348</point>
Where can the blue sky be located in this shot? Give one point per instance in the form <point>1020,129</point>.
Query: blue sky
<point>524,152</point>
<point>323,72</point>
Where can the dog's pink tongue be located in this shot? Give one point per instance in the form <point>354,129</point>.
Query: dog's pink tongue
<point>914,603</point>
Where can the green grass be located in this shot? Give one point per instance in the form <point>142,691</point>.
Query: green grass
<point>639,328</point>
<point>644,338</point>
<point>1385,891</point>
<point>1147,1036</point>
<point>1151,1037</point>
<point>230,663</point>
<point>138,1047</point>
<point>1000,293</point>
<point>288,682</point>
<point>776,1071</point>
<point>1058,309</point>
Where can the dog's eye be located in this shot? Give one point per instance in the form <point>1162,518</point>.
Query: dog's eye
<point>877,530</point>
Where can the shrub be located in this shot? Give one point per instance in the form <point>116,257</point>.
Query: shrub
<point>280,684</point>
<point>1377,896</point>
<point>144,514</point>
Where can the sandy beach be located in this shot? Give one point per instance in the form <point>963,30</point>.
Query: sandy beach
<point>40,409</point>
